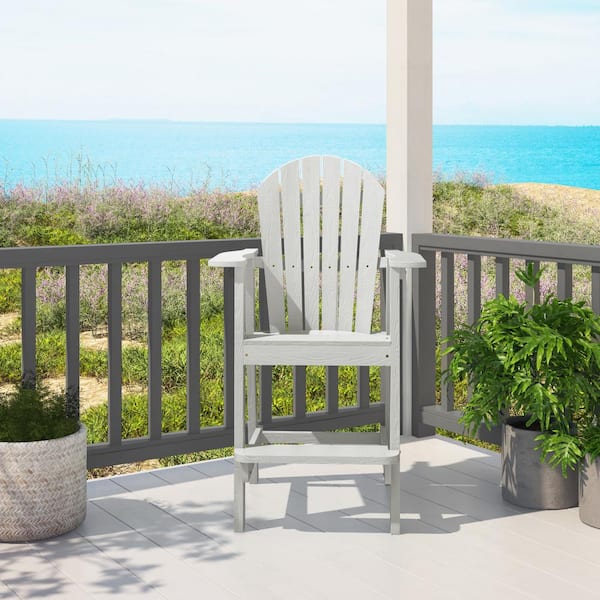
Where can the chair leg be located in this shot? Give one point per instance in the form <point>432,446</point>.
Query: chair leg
<point>395,498</point>
<point>253,474</point>
<point>239,498</point>
<point>387,474</point>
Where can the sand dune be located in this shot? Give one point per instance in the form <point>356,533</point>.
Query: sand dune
<point>558,195</point>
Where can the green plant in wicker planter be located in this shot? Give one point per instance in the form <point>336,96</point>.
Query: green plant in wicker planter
<point>43,472</point>
<point>537,369</point>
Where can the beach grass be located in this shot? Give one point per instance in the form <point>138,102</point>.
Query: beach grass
<point>71,214</point>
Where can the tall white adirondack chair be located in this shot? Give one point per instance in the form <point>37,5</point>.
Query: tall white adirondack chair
<point>320,285</point>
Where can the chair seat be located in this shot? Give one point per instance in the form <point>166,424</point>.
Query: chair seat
<point>363,454</point>
<point>318,347</point>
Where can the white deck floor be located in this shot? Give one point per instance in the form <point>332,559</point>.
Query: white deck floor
<point>314,532</point>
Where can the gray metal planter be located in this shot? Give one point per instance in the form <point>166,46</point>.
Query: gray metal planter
<point>589,492</point>
<point>528,482</point>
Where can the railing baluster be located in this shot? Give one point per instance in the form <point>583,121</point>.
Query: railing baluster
<point>474,287</point>
<point>596,289</point>
<point>532,296</point>
<point>502,277</point>
<point>28,316</point>
<point>564,281</point>
<point>363,387</point>
<point>115,352</point>
<point>72,338</point>
<point>424,341</point>
<point>192,298</point>
<point>447,322</point>
<point>154,350</point>
<point>332,389</point>
<point>228,338</point>
<point>300,392</point>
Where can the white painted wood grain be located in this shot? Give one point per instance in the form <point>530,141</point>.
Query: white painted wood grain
<point>311,231</point>
<point>331,231</point>
<point>358,454</point>
<point>351,196</point>
<point>270,231</point>
<point>290,207</point>
<point>370,230</point>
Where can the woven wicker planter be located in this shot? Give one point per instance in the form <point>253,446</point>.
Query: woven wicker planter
<point>42,487</point>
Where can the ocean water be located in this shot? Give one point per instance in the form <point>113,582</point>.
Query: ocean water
<point>239,155</point>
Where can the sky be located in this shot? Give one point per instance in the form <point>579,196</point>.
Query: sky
<point>495,61</point>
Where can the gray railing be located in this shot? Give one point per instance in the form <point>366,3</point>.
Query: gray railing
<point>436,283</point>
<point>195,437</point>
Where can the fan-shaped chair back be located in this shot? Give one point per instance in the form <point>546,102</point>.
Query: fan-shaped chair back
<point>328,212</point>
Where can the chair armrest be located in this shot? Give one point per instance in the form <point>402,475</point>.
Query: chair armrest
<point>235,258</point>
<point>399,259</point>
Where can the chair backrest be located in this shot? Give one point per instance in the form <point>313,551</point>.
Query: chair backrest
<point>327,211</point>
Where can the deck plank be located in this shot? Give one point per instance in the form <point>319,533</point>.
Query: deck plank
<point>313,532</point>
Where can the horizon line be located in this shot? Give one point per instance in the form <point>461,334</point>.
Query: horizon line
<point>307,123</point>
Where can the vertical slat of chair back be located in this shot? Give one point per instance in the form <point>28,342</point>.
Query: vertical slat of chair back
<point>269,209</point>
<point>311,231</point>
<point>368,253</point>
<point>312,204</point>
<point>351,192</point>
<point>290,209</point>
<point>331,232</point>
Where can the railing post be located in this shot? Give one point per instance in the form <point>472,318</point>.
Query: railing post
<point>115,354</point>
<point>192,299</point>
<point>28,311</point>
<point>72,339</point>
<point>423,340</point>
<point>447,323</point>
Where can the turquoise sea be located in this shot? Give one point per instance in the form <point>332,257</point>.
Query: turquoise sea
<point>238,155</point>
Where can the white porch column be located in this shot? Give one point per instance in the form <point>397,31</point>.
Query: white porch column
<point>409,117</point>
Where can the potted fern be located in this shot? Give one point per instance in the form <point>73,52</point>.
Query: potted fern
<point>43,472</point>
<point>536,370</point>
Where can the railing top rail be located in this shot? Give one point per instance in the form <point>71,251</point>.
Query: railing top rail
<point>114,253</point>
<point>509,248</point>
<point>50,256</point>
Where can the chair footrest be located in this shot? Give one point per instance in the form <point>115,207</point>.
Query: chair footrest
<point>367,454</point>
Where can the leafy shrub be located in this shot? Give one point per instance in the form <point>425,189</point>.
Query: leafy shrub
<point>28,415</point>
<point>10,290</point>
